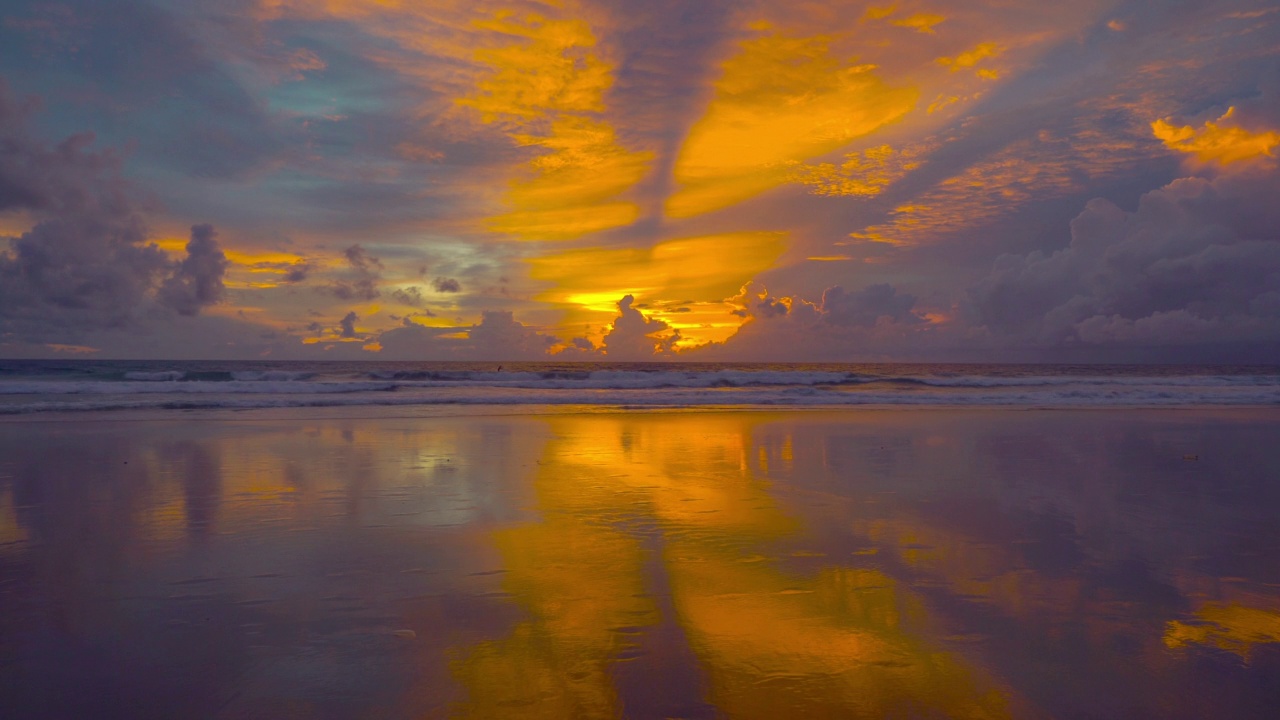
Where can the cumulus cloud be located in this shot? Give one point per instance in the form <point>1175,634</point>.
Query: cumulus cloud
<point>297,272</point>
<point>85,264</point>
<point>198,279</point>
<point>634,336</point>
<point>446,285</point>
<point>578,349</point>
<point>1197,262</point>
<point>872,305</point>
<point>361,280</point>
<point>498,336</point>
<point>347,325</point>
<point>863,325</point>
<point>411,296</point>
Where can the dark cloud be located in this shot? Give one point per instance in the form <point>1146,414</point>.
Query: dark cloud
<point>198,279</point>
<point>347,325</point>
<point>498,336</point>
<point>871,324</point>
<point>1197,262</point>
<point>446,285</point>
<point>362,279</point>
<point>360,259</point>
<point>411,296</point>
<point>866,308</point>
<point>297,272</point>
<point>84,263</point>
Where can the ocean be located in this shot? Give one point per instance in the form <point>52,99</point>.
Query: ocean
<point>47,386</point>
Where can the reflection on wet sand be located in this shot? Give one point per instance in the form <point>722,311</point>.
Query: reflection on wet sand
<point>770,642</point>
<point>705,564</point>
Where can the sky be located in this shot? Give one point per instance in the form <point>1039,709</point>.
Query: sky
<point>699,180</point>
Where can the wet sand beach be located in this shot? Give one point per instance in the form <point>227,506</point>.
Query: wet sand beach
<point>987,563</point>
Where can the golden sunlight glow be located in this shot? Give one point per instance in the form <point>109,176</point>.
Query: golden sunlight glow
<point>72,349</point>
<point>548,71</point>
<point>1234,628</point>
<point>570,191</point>
<point>545,90</point>
<point>589,282</point>
<point>15,224</point>
<point>778,101</point>
<point>1216,141</point>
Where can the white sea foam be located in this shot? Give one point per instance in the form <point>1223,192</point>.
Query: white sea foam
<point>271,375</point>
<point>162,376</point>
<point>676,386</point>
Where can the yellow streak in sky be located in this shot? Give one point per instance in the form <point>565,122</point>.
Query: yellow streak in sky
<point>779,100</point>
<point>572,190</point>
<point>546,91</point>
<point>1216,142</point>
<point>550,70</point>
<point>589,282</point>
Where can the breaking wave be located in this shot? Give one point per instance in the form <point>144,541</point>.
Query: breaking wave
<point>34,388</point>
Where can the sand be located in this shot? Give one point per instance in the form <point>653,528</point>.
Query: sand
<point>947,563</point>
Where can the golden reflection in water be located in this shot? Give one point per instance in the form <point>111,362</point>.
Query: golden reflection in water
<point>863,563</point>
<point>771,642</point>
<point>1234,628</point>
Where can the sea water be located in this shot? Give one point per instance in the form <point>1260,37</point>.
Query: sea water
<point>35,386</point>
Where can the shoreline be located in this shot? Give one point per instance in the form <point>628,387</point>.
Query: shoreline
<point>456,410</point>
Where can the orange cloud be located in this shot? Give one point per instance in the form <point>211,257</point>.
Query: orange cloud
<point>867,172</point>
<point>779,100</point>
<point>1217,142</point>
<point>920,22</point>
<point>972,57</point>
<point>547,90</point>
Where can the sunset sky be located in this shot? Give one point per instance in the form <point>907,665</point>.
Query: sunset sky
<point>640,179</point>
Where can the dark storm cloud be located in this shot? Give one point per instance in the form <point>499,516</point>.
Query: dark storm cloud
<point>198,279</point>
<point>873,304</point>
<point>1197,262</point>
<point>870,324</point>
<point>85,264</point>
